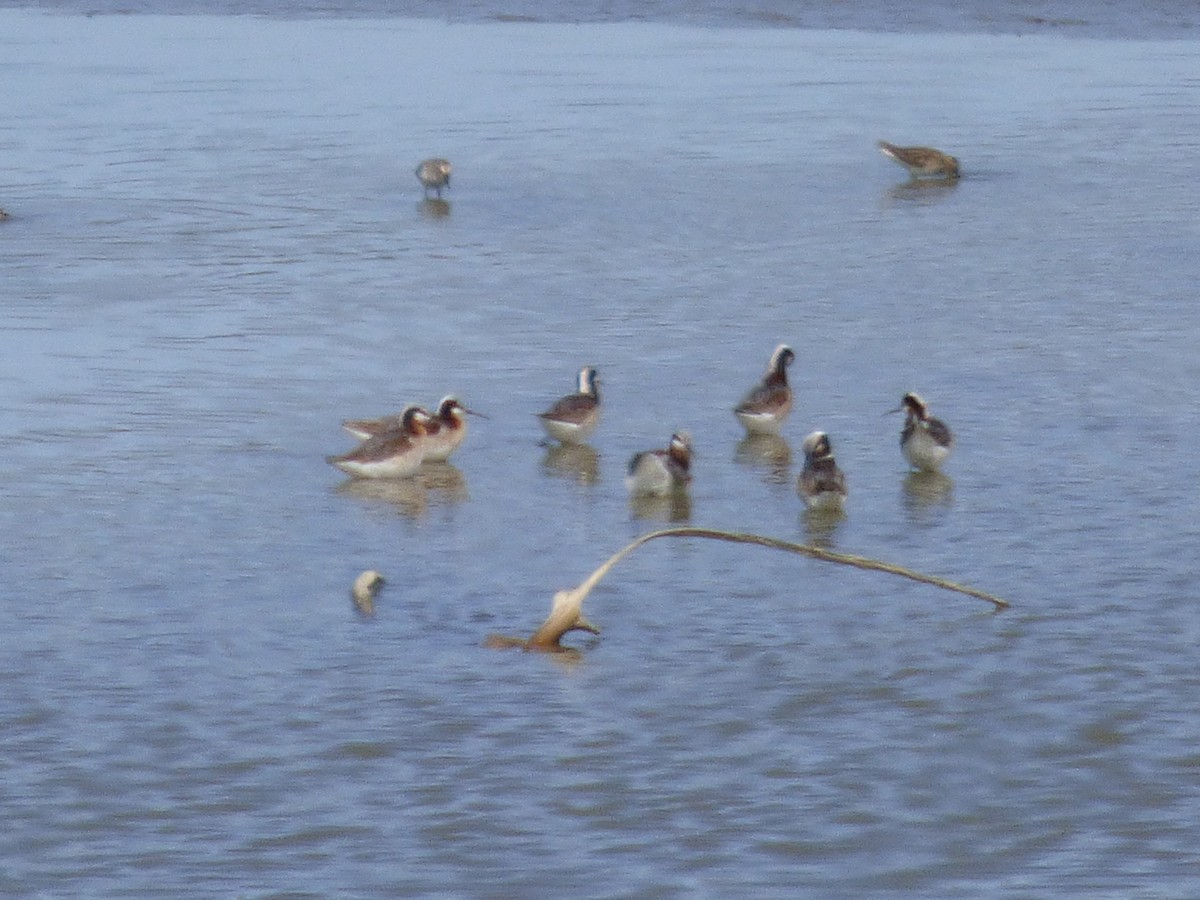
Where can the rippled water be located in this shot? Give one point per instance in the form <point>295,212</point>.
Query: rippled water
<point>217,250</point>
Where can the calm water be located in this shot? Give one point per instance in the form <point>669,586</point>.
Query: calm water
<point>217,250</point>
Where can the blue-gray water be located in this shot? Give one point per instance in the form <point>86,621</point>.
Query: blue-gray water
<point>217,250</point>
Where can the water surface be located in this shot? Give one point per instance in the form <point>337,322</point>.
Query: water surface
<point>217,250</point>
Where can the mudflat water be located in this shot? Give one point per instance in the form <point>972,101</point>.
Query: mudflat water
<point>216,250</point>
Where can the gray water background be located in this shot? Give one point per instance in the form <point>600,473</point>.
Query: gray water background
<point>217,250</point>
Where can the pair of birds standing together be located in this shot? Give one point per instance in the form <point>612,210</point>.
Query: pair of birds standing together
<point>925,440</point>
<point>396,446</point>
<point>821,484</point>
<point>656,473</point>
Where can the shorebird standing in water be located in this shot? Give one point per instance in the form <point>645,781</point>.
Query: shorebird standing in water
<point>364,429</point>
<point>443,433</point>
<point>655,473</point>
<point>434,174</point>
<point>573,418</point>
<point>451,430</point>
<point>392,454</point>
<point>922,161</point>
<point>925,441</point>
<point>821,484</point>
<point>763,410</point>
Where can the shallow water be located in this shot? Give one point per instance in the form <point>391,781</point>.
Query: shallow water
<point>1061,18</point>
<point>217,250</point>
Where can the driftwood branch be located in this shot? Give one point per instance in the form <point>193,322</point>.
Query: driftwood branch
<point>567,611</point>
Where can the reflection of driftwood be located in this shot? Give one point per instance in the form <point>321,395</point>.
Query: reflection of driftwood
<point>567,612</point>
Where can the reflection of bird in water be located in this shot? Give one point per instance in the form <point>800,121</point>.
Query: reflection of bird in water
<point>434,174</point>
<point>925,441</point>
<point>408,496</point>
<point>763,410</point>
<point>436,484</point>
<point>821,526</point>
<point>922,161</point>
<point>924,190</point>
<point>821,483</point>
<point>573,418</point>
<point>434,208</point>
<point>392,454</point>
<point>924,491</point>
<point>446,483</point>
<point>657,473</point>
<point>766,451</point>
<point>674,507</point>
<point>578,462</point>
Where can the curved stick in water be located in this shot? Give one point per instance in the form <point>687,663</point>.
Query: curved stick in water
<point>566,614</point>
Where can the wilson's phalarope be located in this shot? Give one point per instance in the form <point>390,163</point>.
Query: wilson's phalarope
<point>763,410</point>
<point>821,483</point>
<point>434,174</point>
<point>925,441</point>
<point>573,418</point>
<point>451,430</point>
<point>922,160</point>
<point>393,454</point>
<point>658,472</point>
<point>444,432</point>
<point>364,429</point>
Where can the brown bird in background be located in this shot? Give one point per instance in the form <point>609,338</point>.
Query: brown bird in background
<point>922,161</point>
<point>434,174</point>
